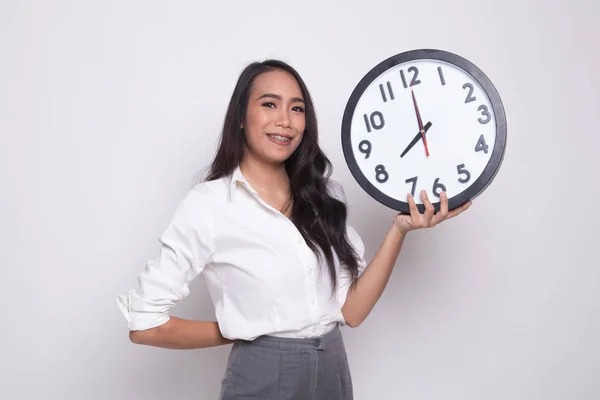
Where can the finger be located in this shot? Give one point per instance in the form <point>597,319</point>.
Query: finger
<point>460,209</point>
<point>429,209</point>
<point>443,213</point>
<point>412,206</point>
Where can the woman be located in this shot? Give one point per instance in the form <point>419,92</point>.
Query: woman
<point>268,231</point>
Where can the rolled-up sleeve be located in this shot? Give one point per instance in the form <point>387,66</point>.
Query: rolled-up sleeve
<point>185,249</point>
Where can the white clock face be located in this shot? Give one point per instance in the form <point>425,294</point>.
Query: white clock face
<point>460,136</point>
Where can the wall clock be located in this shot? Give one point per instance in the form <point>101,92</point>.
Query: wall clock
<point>424,119</point>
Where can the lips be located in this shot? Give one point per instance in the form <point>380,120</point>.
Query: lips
<point>280,138</point>
<point>285,135</point>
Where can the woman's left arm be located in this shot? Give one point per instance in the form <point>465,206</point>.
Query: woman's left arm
<point>366,290</point>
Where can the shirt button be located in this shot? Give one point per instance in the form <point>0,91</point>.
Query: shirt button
<point>314,330</point>
<point>310,270</point>
<point>312,301</point>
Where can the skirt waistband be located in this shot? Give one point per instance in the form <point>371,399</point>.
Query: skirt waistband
<point>282,343</point>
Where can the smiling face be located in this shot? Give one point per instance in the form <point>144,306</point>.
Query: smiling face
<point>275,118</point>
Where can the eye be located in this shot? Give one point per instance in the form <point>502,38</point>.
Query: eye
<point>269,104</point>
<point>298,109</point>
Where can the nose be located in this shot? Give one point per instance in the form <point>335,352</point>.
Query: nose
<point>283,118</point>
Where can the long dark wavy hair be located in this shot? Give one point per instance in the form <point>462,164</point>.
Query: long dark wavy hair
<point>317,214</point>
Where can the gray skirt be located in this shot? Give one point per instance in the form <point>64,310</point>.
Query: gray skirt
<point>270,368</point>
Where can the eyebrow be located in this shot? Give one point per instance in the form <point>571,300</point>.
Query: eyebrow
<point>278,97</point>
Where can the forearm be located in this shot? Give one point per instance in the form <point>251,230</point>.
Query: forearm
<point>180,333</point>
<point>367,289</point>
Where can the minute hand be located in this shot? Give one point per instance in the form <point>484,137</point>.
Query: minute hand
<point>415,139</point>
<point>412,92</point>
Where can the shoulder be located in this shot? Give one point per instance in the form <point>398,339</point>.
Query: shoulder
<point>201,200</point>
<point>208,192</point>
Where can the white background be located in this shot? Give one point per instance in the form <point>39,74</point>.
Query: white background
<point>109,109</point>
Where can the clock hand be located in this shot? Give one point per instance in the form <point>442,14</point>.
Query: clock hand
<point>419,121</point>
<point>416,139</point>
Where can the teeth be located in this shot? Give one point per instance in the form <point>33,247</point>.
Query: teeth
<point>280,138</point>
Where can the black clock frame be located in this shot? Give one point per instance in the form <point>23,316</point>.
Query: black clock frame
<point>491,169</point>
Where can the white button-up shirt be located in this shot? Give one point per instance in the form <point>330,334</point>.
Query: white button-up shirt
<point>261,275</point>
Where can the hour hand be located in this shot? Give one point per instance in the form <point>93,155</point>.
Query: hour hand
<point>417,137</point>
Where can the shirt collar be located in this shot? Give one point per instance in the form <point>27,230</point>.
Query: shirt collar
<point>237,177</point>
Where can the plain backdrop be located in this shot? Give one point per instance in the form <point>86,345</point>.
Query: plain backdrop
<point>109,110</point>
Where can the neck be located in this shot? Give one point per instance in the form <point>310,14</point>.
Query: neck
<point>265,176</point>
